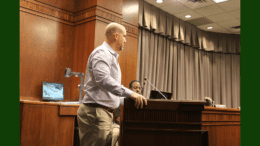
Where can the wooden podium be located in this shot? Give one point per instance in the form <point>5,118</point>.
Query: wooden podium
<point>163,122</point>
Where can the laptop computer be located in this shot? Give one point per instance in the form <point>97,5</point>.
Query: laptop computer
<point>156,95</point>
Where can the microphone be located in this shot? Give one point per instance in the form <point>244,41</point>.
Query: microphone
<point>155,87</point>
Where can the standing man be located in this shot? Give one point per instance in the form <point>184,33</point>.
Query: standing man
<point>103,90</point>
<point>136,87</point>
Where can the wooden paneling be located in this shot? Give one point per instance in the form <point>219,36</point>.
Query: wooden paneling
<point>128,61</point>
<point>128,57</point>
<point>41,125</point>
<point>81,5</point>
<point>61,4</point>
<point>112,5</point>
<point>83,46</point>
<point>223,126</point>
<point>45,51</point>
<point>46,11</point>
<point>68,110</point>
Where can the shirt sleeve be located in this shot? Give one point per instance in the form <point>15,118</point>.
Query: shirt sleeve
<point>101,73</point>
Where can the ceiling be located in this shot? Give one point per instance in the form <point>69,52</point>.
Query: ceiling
<point>221,16</point>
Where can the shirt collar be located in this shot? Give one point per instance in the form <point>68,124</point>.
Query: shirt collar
<point>110,49</point>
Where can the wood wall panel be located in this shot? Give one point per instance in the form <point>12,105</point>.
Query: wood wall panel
<point>83,46</point>
<point>129,55</point>
<point>45,51</point>
<point>128,61</point>
<point>41,125</point>
<point>81,5</point>
<point>112,5</point>
<point>47,11</point>
<point>223,126</point>
<point>67,5</point>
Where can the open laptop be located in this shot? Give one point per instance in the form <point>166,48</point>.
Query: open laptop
<point>156,95</point>
<point>52,91</point>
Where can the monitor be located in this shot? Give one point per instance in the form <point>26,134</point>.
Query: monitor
<point>52,91</point>
<point>156,95</point>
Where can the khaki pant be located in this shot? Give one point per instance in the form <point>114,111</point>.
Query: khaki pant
<point>95,126</point>
<point>115,136</point>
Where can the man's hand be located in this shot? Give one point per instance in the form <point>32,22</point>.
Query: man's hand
<point>139,99</point>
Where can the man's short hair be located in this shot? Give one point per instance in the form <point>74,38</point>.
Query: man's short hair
<point>113,28</point>
<point>131,83</point>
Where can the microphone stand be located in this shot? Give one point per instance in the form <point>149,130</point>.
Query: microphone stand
<point>155,88</point>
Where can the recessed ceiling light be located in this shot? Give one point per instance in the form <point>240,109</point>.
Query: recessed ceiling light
<point>210,27</point>
<point>219,1</point>
<point>159,1</point>
<point>187,16</point>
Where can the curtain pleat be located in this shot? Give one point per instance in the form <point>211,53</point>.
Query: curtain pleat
<point>233,44</point>
<point>205,36</point>
<point>140,13</point>
<point>210,42</point>
<point>144,57</point>
<point>228,80</point>
<point>169,26</point>
<point>193,36</point>
<point>150,55</point>
<point>235,80</point>
<point>202,75</point>
<point>214,39</point>
<point>196,91</point>
<point>189,63</point>
<point>155,60</point>
<point>154,18</point>
<point>222,43</point>
<point>187,34</point>
<point>238,78</point>
<point>182,31</point>
<point>160,64</point>
<point>176,27</point>
<point>181,73</point>
<point>199,39</point>
<point>216,77</point>
<point>208,73</point>
<point>166,65</point>
<point>170,54</point>
<point>229,44</point>
<point>175,71</point>
<point>223,79</point>
<point>162,23</point>
<point>238,44</point>
<point>147,16</point>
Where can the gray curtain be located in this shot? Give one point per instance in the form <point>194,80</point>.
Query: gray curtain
<point>187,72</point>
<point>165,24</point>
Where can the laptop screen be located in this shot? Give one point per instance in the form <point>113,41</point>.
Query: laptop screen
<point>156,95</point>
<point>52,91</point>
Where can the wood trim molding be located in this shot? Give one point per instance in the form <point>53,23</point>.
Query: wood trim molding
<point>131,30</point>
<point>70,18</point>
<point>47,10</point>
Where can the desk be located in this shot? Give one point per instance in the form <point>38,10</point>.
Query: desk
<point>223,126</point>
<point>47,123</point>
<point>52,124</point>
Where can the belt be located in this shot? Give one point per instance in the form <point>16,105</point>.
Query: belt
<point>98,105</point>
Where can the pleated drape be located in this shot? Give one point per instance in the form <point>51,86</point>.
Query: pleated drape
<point>165,24</point>
<point>189,73</point>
